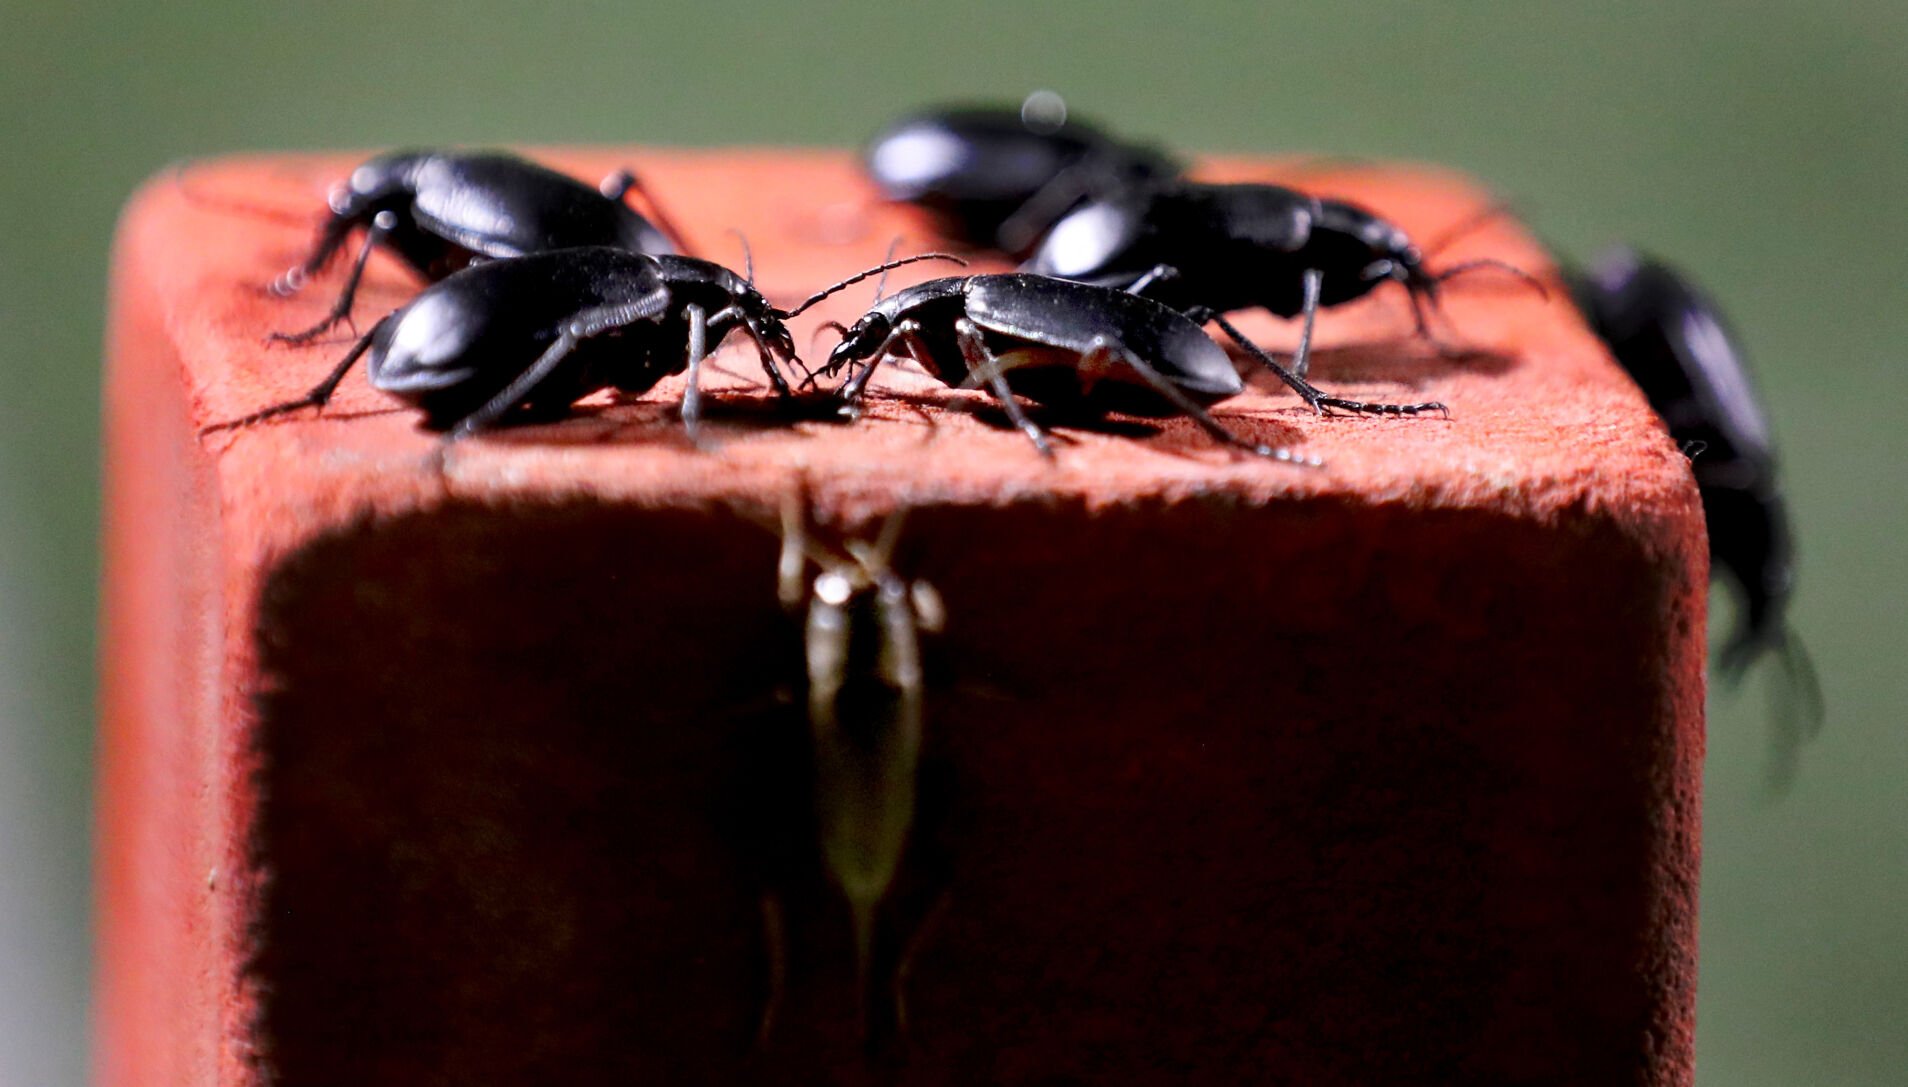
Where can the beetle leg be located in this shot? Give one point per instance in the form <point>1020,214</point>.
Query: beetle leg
<point>915,349</point>
<point>320,394</point>
<point>776,380</point>
<point>733,314</point>
<point>1041,210</point>
<point>904,965</point>
<point>344,215</point>
<point>1421,322</point>
<point>1424,301</point>
<point>1298,384</point>
<point>1302,358</point>
<point>851,392</point>
<point>792,562</point>
<point>692,392</point>
<point>620,184</point>
<point>1158,273</point>
<point>1316,398</point>
<point>381,227</point>
<point>1313,282</point>
<point>1104,351</point>
<point>775,949</point>
<point>1371,407</point>
<point>981,361</point>
<point>583,326</point>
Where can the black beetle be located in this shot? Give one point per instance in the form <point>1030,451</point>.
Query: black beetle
<point>442,211</point>
<point>1673,342</point>
<point>1085,350</point>
<point>999,178</point>
<point>531,335</point>
<point>1237,246</point>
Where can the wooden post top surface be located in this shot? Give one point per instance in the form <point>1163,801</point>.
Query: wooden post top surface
<point>1541,418</point>
<point>415,764</point>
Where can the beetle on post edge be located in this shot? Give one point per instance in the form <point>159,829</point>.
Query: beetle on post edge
<point>534,334</point>
<point>1671,339</point>
<point>1244,245</point>
<point>1083,349</point>
<point>441,211</point>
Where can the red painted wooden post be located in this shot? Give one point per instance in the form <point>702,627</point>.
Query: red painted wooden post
<point>1386,772</point>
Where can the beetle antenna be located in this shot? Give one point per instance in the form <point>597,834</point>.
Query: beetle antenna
<point>881,284</point>
<point>798,549</point>
<point>859,276</point>
<point>840,330</point>
<point>1496,209</point>
<point>748,256</point>
<point>318,397</point>
<point>885,543</point>
<point>874,558</point>
<point>1487,262</point>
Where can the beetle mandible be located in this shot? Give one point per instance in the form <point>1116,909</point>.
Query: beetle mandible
<point>529,336</point>
<point>1244,245</point>
<point>999,178</point>
<point>441,211</point>
<point>1082,349</point>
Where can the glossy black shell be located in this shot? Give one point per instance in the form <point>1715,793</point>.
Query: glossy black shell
<point>1673,342</point>
<point>453,206</point>
<point>973,168</point>
<point>464,339</point>
<point>1235,246</point>
<point>1016,312</point>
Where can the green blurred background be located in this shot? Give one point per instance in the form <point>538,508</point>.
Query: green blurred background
<point>1761,144</point>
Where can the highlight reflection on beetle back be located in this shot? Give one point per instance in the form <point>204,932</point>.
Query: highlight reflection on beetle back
<point>450,350</point>
<point>493,308</point>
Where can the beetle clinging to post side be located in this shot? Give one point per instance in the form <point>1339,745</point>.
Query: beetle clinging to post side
<point>1672,341</point>
<point>442,211</point>
<point>862,633</point>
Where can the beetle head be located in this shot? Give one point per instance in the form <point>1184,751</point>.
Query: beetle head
<point>861,341</point>
<point>1398,259</point>
<point>1394,258</point>
<point>774,332</point>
